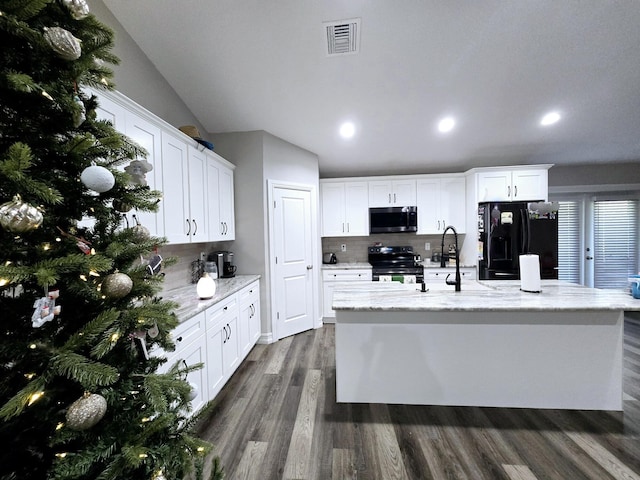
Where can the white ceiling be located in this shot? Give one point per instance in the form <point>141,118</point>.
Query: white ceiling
<point>496,66</point>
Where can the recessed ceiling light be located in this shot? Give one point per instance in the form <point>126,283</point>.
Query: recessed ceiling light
<point>347,130</point>
<point>446,124</point>
<point>549,119</point>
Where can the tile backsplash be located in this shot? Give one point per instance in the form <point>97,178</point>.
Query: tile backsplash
<point>179,274</point>
<point>357,246</point>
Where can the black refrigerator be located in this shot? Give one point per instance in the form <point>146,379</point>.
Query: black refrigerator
<point>507,230</point>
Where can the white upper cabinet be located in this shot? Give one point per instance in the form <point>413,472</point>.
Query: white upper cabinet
<point>184,191</point>
<point>198,194</point>
<point>441,202</point>
<point>513,185</point>
<point>197,202</point>
<point>175,189</point>
<point>148,136</point>
<point>345,208</point>
<point>392,193</point>
<point>220,208</point>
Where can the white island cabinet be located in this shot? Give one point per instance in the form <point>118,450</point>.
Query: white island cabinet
<point>489,345</point>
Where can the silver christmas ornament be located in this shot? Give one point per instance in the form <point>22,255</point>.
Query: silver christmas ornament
<point>19,217</point>
<point>87,411</point>
<point>63,43</point>
<point>78,8</point>
<point>159,475</point>
<point>97,178</point>
<point>120,206</point>
<point>116,285</point>
<point>141,233</point>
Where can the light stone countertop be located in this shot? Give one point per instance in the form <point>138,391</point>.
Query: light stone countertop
<point>479,296</point>
<point>345,265</point>
<point>190,304</point>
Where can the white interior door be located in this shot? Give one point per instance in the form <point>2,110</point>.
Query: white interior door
<point>293,262</point>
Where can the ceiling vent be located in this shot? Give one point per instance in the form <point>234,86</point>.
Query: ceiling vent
<point>343,37</point>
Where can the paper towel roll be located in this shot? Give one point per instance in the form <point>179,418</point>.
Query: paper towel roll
<point>530,273</point>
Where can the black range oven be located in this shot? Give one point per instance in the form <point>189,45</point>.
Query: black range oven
<point>394,261</point>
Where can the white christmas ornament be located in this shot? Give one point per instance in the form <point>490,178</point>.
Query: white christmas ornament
<point>194,391</point>
<point>98,178</point>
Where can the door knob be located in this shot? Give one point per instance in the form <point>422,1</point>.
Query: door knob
<point>309,267</point>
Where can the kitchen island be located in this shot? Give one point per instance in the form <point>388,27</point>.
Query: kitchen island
<point>489,345</point>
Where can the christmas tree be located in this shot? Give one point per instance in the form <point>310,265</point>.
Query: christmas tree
<point>80,396</point>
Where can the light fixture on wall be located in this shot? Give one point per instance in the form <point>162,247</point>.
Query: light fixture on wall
<point>206,287</point>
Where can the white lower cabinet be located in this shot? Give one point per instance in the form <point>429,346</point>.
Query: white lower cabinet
<point>436,274</point>
<point>249,320</point>
<point>220,338</point>
<point>336,276</point>
<point>223,351</point>
<point>191,348</point>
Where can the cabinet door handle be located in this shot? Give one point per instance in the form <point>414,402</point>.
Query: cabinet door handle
<point>179,339</point>
<point>515,191</point>
<point>189,225</point>
<point>389,198</point>
<point>226,228</point>
<point>347,227</point>
<point>342,227</point>
<point>508,190</point>
<point>438,225</point>
<point>394,198</point>
<point>195,225</point>
<point>309,267</point>
<point>229,327</point>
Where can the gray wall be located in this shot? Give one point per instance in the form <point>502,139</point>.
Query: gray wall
<point>137,78</point>
<point>611,174</point>
<point>260,156</point>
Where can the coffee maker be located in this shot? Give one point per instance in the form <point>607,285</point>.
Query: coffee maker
<point>228,268</point>
<point>224,260</point>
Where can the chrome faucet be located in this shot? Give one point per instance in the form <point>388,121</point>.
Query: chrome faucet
<point>457,280</point>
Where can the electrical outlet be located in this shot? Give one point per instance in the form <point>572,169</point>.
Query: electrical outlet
<point>343,247</point>
<point>427,246</point>
<point>203,256</point>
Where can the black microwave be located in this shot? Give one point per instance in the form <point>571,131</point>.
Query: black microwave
<point>393,219</point>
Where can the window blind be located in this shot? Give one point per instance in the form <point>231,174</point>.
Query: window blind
<point>569,245</point>
<point>615,242</point>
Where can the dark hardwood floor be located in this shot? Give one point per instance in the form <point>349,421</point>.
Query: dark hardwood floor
<point>277,419</point>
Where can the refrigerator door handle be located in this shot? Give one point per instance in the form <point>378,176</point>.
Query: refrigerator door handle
<point>526,231</point>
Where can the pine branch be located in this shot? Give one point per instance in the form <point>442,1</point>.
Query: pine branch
<point>19,401</point>
<point>92,331</point>
<point>80,369</point>
<point>15,168</point>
